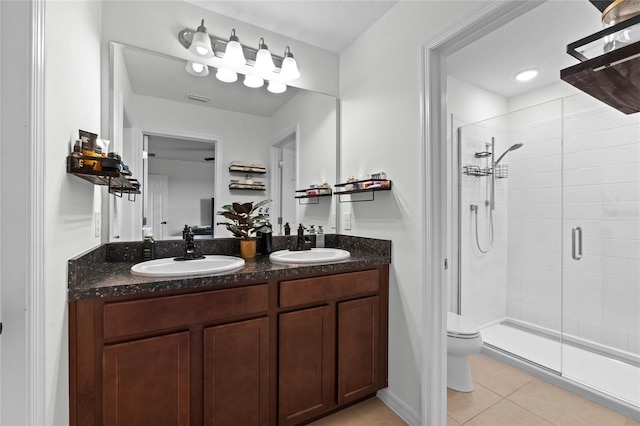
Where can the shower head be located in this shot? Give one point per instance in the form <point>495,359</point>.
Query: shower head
<point>511,148</point>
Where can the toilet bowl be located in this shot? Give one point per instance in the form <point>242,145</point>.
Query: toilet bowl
<point>463,339</point>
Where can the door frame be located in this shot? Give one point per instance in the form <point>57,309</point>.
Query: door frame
<point>479,23</point>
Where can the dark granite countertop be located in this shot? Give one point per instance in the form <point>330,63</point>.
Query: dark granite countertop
<point>105,270</point>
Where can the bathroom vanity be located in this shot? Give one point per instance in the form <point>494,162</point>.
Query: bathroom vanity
<point>265,345</point>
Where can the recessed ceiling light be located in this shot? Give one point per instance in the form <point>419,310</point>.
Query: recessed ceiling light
<point>527,75</point>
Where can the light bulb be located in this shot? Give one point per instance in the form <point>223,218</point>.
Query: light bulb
<point>264,62</point>
<point>201,43</point>
<point>276,87</point>
<point>226,75</point>
<point>233,55</point>
<point>253,81</point>
<point>197,69</point>
<point>289,70</point>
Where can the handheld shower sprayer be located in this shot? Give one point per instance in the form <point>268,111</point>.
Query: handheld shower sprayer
<point>511,148</point>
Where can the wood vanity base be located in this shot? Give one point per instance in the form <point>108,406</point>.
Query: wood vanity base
<point>279,352</point>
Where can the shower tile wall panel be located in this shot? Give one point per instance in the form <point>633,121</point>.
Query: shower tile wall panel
<point>602,196</point>
<point>601,179</point>
<point>534,224</point>
<point>484,276</point>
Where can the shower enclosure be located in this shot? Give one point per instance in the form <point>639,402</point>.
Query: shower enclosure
<point>549,240</point>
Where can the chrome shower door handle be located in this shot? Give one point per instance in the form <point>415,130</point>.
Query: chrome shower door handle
<point>576,232</point>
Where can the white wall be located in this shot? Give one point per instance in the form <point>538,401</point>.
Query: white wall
<point>72,102</point>
<point>315,116</point>
<point>380,92</point>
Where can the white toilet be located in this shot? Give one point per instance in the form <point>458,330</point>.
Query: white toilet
<point>463,339</point>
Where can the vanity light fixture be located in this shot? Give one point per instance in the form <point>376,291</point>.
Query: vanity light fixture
<point>233,54</point>
<point>226,75</point>
<point>289,69</point>
<point>231,58</point>
<point>197,69</point>
<point>201,43</point>
<point>276,87</point>
<point>264,62</point>
<point>253,81</point>
<point>527,75</point>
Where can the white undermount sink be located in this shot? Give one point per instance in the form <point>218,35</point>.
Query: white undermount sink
<point>315,255</point>
<point>168,267</point>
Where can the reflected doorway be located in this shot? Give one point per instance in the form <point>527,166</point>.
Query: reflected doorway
<point>284,162</point>
<point>180,177</point>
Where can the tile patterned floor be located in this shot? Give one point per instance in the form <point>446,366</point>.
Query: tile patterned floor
<point>503,396</point>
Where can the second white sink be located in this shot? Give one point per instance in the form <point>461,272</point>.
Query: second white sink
<point>315,255</point>
<point>168,267</point>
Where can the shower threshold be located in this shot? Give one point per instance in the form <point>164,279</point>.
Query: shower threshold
<point>605,374</point>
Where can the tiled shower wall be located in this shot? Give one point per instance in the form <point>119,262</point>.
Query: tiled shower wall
<point>530,268</point>
<point>484,276</point>
<point>601,292</point>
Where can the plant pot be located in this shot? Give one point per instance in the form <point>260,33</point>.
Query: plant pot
<point>247,249</point>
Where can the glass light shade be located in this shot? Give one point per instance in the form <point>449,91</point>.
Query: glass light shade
<point>264,62</point>
<point>253,81</point>
<point>289,69</point>
<point>233,55</point>
<point>226,75</point>
<point>276,87</point>
<point>197,69</point>
<point>201,45</point>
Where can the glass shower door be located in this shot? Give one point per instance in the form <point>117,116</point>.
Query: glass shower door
<point>601,248</point>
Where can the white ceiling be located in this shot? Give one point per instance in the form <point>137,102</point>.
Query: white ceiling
<point>537,39</point>
<point>328,24</point>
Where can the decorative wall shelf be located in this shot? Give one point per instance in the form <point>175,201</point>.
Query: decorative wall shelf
<point>247,169</point>
<point>304,194</point>
<point>611,77</point>
<point>118,183</point>
<point>239,169</point>
<point>248,187</point>
<point>361,187</point>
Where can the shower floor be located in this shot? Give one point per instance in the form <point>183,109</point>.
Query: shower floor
<point>610,376</point>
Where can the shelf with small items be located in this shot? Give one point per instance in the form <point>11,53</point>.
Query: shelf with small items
<point>247,167</point>
<point>313,193</point>
<point>104,171</point>
<point>370,186</point>
<point>247,186</point>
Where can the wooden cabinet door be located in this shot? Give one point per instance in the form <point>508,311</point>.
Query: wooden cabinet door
<point>306,364</point>
<point>236,374</point>
<point>358,348</point>
<point>146,382</point>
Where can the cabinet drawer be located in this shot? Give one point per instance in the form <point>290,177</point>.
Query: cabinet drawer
<point>141,316</point>
<point>322,289</point>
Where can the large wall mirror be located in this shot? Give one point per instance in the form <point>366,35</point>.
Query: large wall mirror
<point>180,133</point>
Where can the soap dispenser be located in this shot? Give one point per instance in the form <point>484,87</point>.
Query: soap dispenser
<point>320,237</point>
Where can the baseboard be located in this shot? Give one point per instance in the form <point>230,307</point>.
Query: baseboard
<point>392,401</point>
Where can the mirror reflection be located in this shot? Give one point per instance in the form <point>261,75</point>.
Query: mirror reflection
<point>180,133</point>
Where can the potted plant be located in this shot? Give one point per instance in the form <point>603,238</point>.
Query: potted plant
<point>245,219</point>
